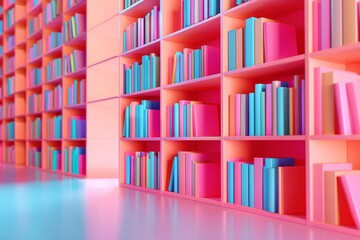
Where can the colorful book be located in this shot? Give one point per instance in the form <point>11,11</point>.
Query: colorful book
<point>350,185</point>
<point>249,43</point>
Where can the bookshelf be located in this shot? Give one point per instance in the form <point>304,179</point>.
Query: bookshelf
<point>307,148</point>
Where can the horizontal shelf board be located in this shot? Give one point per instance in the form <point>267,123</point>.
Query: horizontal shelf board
<point>7,74</point>
<point>141,139</point>
<point>21,67</point>
<point>9,118</point>
<point>53,110</point>
<point>266,138</point>
<point>7,140</point>
<point>216,201</point>
<point>20,116</point>
<point>76,8</point>
<point>79,40</point>
<point>260,8</point>
<point>11,29</point>
<point>153,92</point>
<point>194,34</point>
<point>34,114</point>
<point>78,106</point>
<point>337,228</point>
<point>152,47</point>
<point>35,36</point>
<point>59,172</point>
<point>53,51</point>
<point>36,87</point>
<point>35,61</point>
<point>20,92</point>
<point>347,54</point>
<point>21,21</point>
<point>21,44</point>
<point>55,24</point>
<point>150,190</point>
<point>281,67</point>
<point>9,52</point>
<point>33,140</point>
<point>335,137</point>
<point>9,6</point>
<point>192,138</point>
<point>79,73</point>
<point>52,140</point>
<point>293,218</point>
<point>196,85</point>
<point>75,139</point>
<point>140,8</point>
<point>35,10</point>
<point>53,81</point>
<point>11,96</point>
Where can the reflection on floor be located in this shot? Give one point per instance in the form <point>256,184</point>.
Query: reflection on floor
<point>38,205</point>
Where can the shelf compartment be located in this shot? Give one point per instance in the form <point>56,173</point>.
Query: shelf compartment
<point>348,54</point>
<point>153,92</point>
<point>148,48</point>
<point>139,9</point>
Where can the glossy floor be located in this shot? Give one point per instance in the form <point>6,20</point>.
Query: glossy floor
<point>40,205</point>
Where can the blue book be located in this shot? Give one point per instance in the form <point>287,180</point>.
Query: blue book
<point>249,45</point>
<point>66,160</point>
<point>128,170</point>
<point>151,104</point>
<point>251,114</point>
<point>177,69</point>
<point>245,184</point>
<point>176,120</point>
<point>176,175</point>
<point>283,111</point>
<point>139,121</point>
<point>196,63</point>
<point>146,122</point>
<point>251,186</point>
<point>151,161</point>
<point>230,182</point>
<point>214,7</point>
<point>124,42</point>
<point>259,88</point>
<point>126,129</point>
<point>172,176</point>
<point>232,50</point>
<point>206,9</point>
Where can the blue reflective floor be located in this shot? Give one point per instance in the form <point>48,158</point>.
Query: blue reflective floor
<point>38,205</point>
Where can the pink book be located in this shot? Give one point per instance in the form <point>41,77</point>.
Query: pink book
<point>297,120</point>
<point>268,110</point>
<point>192,11</point>
<point>292,190</point>
<point>232,117</point>
<point>133,119</point>
<point>201,10</point>
<point>342,108</point>
<point>211,60</point>
<point>353,89</point>
<point>181,116</point>
<point>189,159</point>
<point>205,120</point>
<point>275,85</point>
<point>237,114</point>
<point>332,206</point>
<point>207,179</point>
<point>143,171</point>
<point>239,48</point>
<point>350,185</point>
<point>237,180</point>
<point>325,35</point>
<point>186,63</point>
<point>154,123</point>
<point>258,182</point>
<point>82,164</point>
<point>279,41</point>
<point>315,5</point>
<point>319,186</point>
<point>336,23</point>
<point>182,167</point>
<point>81,22</point>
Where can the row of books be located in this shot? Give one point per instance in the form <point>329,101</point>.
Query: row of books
<point>35,103</point>
<point>10,17</point>
<point>75,61</point>
<point>35,77</point>
<point>36,50</point>
<point>142,169</point>
<point>274,109</point>
<point>10,85</point>
<point>54,158</point>
<point>143,31</point>
<point>35,128</point>
<point>75,160</point>
<point>77,127</point>
<point>332,27</point>
<point>10,130</point>
<point>335,194</point>
<point>272,184</point>
<point>9,64</point>
<point>194,63</point>
<point>336,102</point>
<point>129,3</point>
<point>35,157</point>
<point>54,69</point>
<point>76,93</point>
<point>261,40</point>
<point>53,41</point>
<point>53,98</point>
<point>9,110</point>
<point>35,24</point>
<point>10,42</point>
<point>142,76</point>
<point>54,127</point>
<point>10,154</point>
<point>194,11</point>
<point>192,119</point>
<point>71,3</point>
<point>52,10</point>
<point>74,27</point>
<point>142,119</point>
<point>195,174</point>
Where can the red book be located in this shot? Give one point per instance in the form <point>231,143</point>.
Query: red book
<point>154,123</point>
<point>211,60</point>
<point>205,120</point>
<point>350,186</point>
<point>206,179</point>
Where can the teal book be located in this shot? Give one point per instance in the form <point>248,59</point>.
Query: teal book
<point>262,114</point>
<point>245,184</point>
<point>177,67</point>
<point>124,42</point>
<point>251,114</point>
<point>214,7</point>
<point>259,89</point>
<point>126,130</point>
<point>230,182</point>
<point>128,170</point>
<point>251,186</point>
<point>151,168</point>
<point>283,127</point>
<point>238,2</point>
<point>196,63</point>
<point>232,50</point>
<point>146,122</point>
<point>249,42</point>
<point>172,176</point>
<point>73,128</point>
<point>66,160</point>
<point>176,119</point>
<point>176,175</point>
<point>75,159</point>
<point>139,121</point>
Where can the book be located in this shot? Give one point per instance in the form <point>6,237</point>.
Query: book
<point>258,182</point>
<point>350,21</point>
<point>336,23</point>
<point>232,50</point>
<point>352,90</point>
<point>349,184</point>
<point>259,39</point>
<point>239,48</point>
<point>342,109</point>
<point>230,182</point>
<point>325,6</point>
<point>189,159</point>
<point>200,113</point>
<point>249,42</point>
<point>206,179</point>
